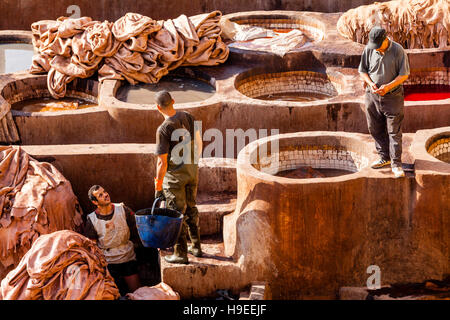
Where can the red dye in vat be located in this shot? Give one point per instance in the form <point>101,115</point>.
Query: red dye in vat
<point>282,30</point>
<point>426,92</point>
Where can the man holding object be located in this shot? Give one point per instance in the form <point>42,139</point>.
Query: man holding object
<point>176,178</point>
<point>384,67</point>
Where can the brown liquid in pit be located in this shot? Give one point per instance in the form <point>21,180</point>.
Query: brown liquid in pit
<point>15,57</point>
<point>309,172</point>
<point>52,105</point>
<point>294,96</point>
<point>445,157</point>
<point>182,89</point>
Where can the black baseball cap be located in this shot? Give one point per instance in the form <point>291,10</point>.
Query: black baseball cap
<point>376,37</point>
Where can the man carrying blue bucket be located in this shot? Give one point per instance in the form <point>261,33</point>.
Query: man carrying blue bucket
<point>177,173</point>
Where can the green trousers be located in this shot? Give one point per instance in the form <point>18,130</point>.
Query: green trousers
<point>180,191</point>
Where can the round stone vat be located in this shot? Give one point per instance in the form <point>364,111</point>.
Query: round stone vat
<point>182,89</point>
<point>439,147</point>
<point>186,85</point>
<point>26,93</point>
<point>308,237</point>
<point>431,152</point>
<point>34,89</point>
<point>289,230</point>
<point>427,84</point>
<point>192,89</point>
<point>296,86</point>
<point>319,159</point>
<point>16,51</point>
<point>280,23</point>
<point>427,99</point>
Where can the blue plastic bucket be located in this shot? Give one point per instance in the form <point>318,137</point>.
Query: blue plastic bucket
<point>158,227</point>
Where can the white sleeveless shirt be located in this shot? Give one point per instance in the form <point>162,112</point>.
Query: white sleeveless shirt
<point>114,236</point>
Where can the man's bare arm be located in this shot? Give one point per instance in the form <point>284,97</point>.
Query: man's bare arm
<point>161,169</point>
<point>198,145</point>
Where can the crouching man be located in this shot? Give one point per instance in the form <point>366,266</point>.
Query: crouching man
<point>110,225</point>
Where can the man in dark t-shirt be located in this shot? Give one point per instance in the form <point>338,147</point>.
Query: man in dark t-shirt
<point>178,146</point>
<point>384,67</point>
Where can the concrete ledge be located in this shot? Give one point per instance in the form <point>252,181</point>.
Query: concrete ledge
<point>362,293</point>
<point>212,208</point>
<point>202,277</point>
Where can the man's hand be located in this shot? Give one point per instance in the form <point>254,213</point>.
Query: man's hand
<point>373,87</point>
<point>159,194</point>
<point>368,82</point>
<point>383,90</point>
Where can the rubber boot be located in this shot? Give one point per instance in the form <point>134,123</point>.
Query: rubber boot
<point>195,251</point>
<point>195,248</point>
<point>180,249</point>
<point>176,259</point>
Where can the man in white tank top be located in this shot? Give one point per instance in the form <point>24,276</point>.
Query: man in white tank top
<point>109,225</point>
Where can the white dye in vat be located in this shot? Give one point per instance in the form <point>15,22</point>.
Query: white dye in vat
<point>182,89</point>
<point>15,57</point>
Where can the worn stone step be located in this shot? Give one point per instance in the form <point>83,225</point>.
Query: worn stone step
<point>212,208</point>
<point>202,277</point>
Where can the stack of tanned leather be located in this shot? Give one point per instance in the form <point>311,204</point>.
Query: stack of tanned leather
<point>135,48</point>
<point>35,199</point>
<point>62,265</point>
<point>415,24</point>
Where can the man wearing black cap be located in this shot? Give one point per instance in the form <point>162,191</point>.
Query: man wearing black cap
<point>177,172</point>
<point>384,67</point>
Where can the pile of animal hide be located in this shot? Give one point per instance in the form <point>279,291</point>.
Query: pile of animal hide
<point>62,265</point>
<point>35,199</point>
<point>415,24</point>
<point>135,48</point>
<point>161,291</point>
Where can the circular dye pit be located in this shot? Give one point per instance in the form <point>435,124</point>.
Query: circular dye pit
<point>15,57</point>
<point>53,105</point>
<point>426,92</point>
<point>298,86</point>
<point>306,161</point>
<point>310,157</point>
<point>440,148</point>
<point>31,94</point>
<point>182,89</point>
<point>272,32</point>
<point>428,84</point>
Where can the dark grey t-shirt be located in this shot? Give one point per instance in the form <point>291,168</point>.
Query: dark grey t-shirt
<point>166,140</point>
<point>382,69</point>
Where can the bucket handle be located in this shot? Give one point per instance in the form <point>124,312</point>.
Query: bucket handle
<point>154,204</point>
